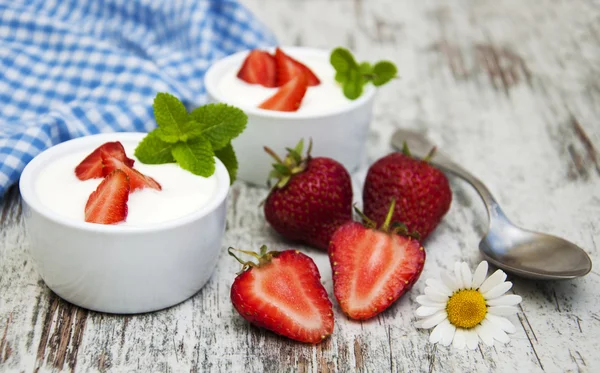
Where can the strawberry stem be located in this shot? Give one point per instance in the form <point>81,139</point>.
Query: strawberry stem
<point>405,149</point>
<point>430,154</point>
<point>263,257</point>
<point>367,222</point>
<point>272,154</point>
<point>388,218</point>
<point>292,164</point>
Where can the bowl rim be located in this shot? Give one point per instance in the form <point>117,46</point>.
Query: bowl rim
<point>31,171</point>
<point>211,81</point>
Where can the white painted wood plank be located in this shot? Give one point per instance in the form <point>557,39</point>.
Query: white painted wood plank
<point>510,89</point>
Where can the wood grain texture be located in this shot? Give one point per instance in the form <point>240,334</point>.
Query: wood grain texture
<point>510,89</point>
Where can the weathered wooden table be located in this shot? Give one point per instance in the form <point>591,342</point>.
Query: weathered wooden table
<point>511,89</point>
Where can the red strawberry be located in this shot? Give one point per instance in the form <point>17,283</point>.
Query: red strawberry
<point>372,267</point>
<point>258,68</point>
<point>91,166</point>
<point>283,293</point>
<point>288,97</point>
<point>288,68</point>
<point>422,192</point>
<point>108,204</point>
<point>312,198</point>
<point>137,179</point>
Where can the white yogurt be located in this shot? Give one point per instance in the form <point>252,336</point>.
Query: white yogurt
<point>319,99</point>
<point>182,192</point>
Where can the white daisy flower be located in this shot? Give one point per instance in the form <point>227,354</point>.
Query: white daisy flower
<point>467,307</point>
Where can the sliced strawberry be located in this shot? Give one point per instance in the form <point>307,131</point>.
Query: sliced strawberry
<point>258,68</point>
<point>372,268</point>
<point>108,204</point>
<point>289,97</point>
<point>91,166</point>
<point>137,179</point>
<point>284,294</point>
<point>288,68</point>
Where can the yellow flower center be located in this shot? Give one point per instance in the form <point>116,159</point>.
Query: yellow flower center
<point>466,308</point>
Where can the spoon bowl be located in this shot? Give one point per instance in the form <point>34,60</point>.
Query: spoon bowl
<point>519,251</point>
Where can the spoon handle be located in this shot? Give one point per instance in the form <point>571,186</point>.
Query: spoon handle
<point>444,163</point>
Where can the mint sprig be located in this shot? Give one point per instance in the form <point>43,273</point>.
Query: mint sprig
<point>192,139</point>
<point>354,76</point>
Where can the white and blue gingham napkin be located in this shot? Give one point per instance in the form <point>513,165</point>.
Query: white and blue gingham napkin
<point>70,68</point>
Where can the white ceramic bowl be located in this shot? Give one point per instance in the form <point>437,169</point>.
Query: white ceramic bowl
<point>339,133</point>
<point>121,269</point>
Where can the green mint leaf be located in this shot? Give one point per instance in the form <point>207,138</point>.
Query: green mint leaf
<point>341,77</point>
<point>196,156</point>
<point>153,150</point>
<point>188,130</point>
<point>171,117</point>
<point>353,88</point>
<point>220,123</point>
<point>383,72</point>
<point>342,60</point>
<point>365,68</point>
<point>227,156</point>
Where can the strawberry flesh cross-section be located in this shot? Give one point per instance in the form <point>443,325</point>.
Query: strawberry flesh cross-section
<point>108,203</point>
<point>91,166</point>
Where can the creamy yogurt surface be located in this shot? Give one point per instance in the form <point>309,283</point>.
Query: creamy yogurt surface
<point>325,97</point>
<point>182,192</point>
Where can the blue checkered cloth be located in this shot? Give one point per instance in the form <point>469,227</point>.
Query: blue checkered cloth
<point>70,68</point>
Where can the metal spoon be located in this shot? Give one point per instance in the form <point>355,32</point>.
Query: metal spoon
<point>516,250</point>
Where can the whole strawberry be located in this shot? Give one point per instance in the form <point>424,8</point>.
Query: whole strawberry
<point>283,293</point>
<point>373,266</point>
<point>312,198</point>
<point>422,192</point>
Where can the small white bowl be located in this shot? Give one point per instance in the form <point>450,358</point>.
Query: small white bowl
<point>121,269</point>
<point>338,133</point>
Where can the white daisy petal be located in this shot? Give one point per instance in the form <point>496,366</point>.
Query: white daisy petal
<point>438,285</point>
<point>450,281</point>
<point>505,300</point>
<point>485,333</point>
<point>425,311</point>
<point>424,300</point>
<point>434,295</point>
<point>419,324</point>
<point>472,339</point>
<point>479,275</point>
<point>502,322</point>
<point>458,275</point>
<point>498,290</point>
<point>503,310</point>
<point>497,332</point>
<point>438,332</point>
<point>496,279</point>
<point>466,275</point>
<point>448,335</point>
<point>459,339</point>
<point>434,319</point>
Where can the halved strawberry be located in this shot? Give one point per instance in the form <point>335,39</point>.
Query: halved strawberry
<point>288,68</point>
<point>137,179</point>
<point>283,293</point>
<point>258,68</point>
<point>108,203</point>
<point>372,267</point>
<point>289,97</point>
<point>91,166</point>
